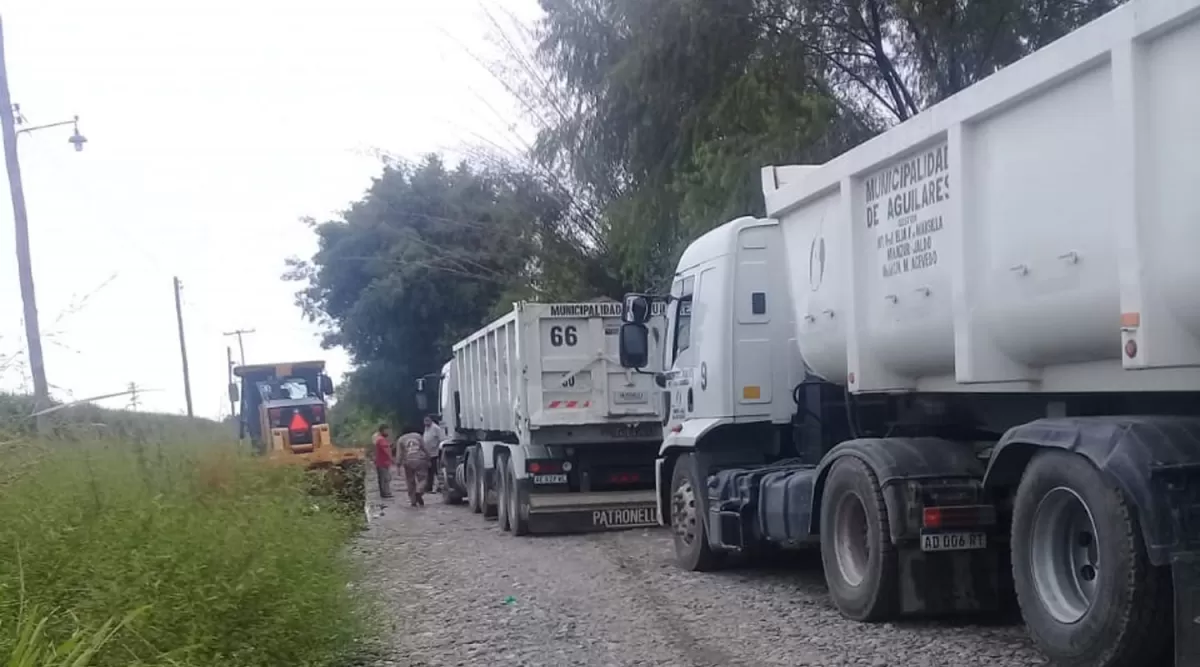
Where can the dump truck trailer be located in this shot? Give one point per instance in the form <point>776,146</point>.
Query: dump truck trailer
<point>962,360</point>
<point>546,431</point>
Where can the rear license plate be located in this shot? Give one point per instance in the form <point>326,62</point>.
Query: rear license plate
<point>627,397</point>
<point>549,479</point>
<point>953,541</point>
<point>623,518</point>
<point>639,430</point>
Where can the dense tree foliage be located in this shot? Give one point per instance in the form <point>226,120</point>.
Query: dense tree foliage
<point>654,119</point>
<point>675,104</point>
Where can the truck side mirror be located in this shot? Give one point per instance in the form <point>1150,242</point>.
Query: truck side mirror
<point>636,309</point>
<point>635,345</point>
<point>233,392</point>
<point>326,385</point>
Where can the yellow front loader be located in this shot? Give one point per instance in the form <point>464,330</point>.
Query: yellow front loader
<point>284,413</point>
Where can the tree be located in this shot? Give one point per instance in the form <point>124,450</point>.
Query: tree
<point>663,112</point>
<point>906,55</point>
<point>674,105</point>
<point>420,261</point>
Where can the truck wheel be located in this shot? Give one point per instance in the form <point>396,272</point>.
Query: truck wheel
<point>518,521</point>
<point>450,495</point>
<point>489,509</point>
<point>1088,593</point>
<point>856,546</point>
<point>692,551</point>
<point>474,480</point>
<point>504,488</point>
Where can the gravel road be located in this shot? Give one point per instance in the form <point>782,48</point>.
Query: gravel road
<point>460,592</point>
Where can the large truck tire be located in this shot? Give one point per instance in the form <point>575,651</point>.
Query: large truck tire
<point>450,495</point>
<point>474,480</point>
<point>1088,593</point>
<point>503,488</point>
<point>692,550</point>
<point>518,520</point>
<point>487,509</point>
<point>856,547</point>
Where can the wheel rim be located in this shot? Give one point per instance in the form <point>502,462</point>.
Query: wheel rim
<point>851,543</point>
<point>1064,556</point>
<point>683,512</point>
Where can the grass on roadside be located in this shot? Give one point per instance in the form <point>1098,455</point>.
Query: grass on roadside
<point>225,559</point>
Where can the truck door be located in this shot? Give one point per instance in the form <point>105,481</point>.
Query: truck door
<point>679,355</point>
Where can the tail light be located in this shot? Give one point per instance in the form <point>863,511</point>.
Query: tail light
<point>960,516</point>
<point>545,467</point>
<point>275,415</point>
<point>318,413</point>
<point>624,478</point>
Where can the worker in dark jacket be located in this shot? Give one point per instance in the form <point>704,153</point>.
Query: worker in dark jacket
<point>410,448</point>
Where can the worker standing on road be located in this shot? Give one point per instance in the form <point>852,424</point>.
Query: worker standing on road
<point>383,461</point>
<point>415,462</point>
<point>432,437</point>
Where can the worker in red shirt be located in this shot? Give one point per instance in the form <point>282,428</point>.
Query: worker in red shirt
<point>383,461</point>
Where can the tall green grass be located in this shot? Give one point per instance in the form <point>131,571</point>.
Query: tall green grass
<point>224,558</point>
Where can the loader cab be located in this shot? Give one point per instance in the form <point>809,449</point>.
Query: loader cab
<point>283,397</point>
<point>728,351</point>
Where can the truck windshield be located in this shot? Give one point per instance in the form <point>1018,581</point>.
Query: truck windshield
<point>285,389</point>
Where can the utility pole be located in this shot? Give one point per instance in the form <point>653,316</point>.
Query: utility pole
<point>241,346</point>
<point>134,401</point>
<point>187,381</point>
<point>33,334</point>
<point>229,375</point>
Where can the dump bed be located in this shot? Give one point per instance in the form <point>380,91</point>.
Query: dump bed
<point>554,364</point>
<point>1036,232</point>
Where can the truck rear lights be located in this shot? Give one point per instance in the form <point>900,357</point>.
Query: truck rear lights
<point>624,478</point>
<point>958,516</point>
<point>545,467</point>
<point>276,416</point>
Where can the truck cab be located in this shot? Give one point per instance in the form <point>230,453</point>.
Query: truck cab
<point>729,353</point>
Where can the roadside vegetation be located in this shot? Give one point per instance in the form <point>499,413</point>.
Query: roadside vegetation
<point>164,545</point>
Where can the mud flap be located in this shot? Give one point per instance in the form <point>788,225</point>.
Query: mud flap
<point>949,581</point>
<point>1185,570</point>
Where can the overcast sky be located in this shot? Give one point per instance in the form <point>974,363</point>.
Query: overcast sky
<point>213,126</point>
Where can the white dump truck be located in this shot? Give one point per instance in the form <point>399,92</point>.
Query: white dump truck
<point>546,430</point>
<point>963,358</point>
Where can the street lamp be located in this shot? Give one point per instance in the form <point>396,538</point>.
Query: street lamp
<point>76,138</point>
